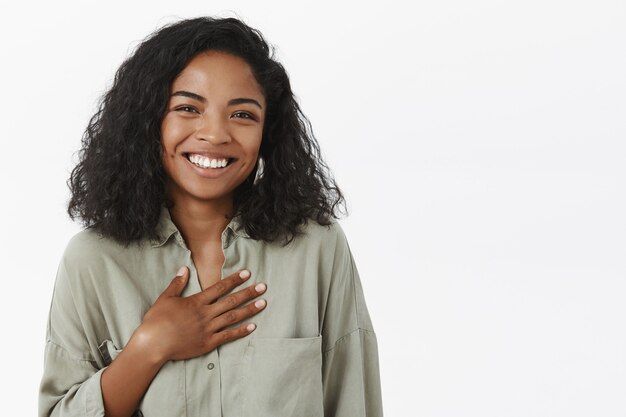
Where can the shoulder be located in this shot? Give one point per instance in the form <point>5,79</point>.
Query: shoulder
<point>89,246</point>
<point>326,243</point>
<point>83,244</point>
<point>89,255</point>
<point>329,237</point>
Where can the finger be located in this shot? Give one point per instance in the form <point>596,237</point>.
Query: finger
<point>234,316</point>
<point>237,298</point>
<point>228,335</point>
<point>178,283</point>
<point>222,287</point>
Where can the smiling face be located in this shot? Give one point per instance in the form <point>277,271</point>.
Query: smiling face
<point>215,116</point>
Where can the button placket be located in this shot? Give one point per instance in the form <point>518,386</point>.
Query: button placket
<point>212,361</point>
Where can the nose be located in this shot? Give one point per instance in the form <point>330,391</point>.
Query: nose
<point>213,129</point>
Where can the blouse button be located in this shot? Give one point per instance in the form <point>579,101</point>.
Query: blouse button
<point>210,366</point>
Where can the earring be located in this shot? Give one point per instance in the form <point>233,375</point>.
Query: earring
<point>259,169</point>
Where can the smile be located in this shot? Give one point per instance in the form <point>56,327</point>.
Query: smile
<point>216,166</point>
<point>208,163</point>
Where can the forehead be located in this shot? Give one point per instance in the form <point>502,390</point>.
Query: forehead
<point>218,72</point>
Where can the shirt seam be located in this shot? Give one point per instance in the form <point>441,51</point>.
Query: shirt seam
<point>89,361</point>
<point>347,335</point>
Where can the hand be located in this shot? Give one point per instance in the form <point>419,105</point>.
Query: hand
<point>177,328</point>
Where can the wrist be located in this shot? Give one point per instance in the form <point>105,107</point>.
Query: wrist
<point>143,341</point>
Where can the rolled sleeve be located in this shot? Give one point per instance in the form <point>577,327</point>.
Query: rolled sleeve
<point>351,376</point>
<point>69,386</point>
<point>350,367</point>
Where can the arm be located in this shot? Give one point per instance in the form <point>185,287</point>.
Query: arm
<point>350,367</point>
<point>70,385</point>
<point>125,381</point>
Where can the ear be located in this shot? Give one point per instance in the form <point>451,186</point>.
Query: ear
<point>260,166</point>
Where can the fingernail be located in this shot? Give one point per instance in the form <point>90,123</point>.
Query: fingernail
<point>250,327</point>
<point>245,274</point>
<point>181,271</point>
<point>259,303</point>
<point>260,287</point>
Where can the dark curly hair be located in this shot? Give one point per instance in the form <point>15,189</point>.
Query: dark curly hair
<point>119,185</point>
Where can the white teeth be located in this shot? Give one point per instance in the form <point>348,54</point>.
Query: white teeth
<point>208,163</point>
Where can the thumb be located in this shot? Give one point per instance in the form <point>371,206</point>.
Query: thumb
<point>178,283</point>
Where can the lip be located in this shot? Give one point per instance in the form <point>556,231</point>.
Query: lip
<point>210,172</point>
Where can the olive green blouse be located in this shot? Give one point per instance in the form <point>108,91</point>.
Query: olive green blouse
<point>314,351</point>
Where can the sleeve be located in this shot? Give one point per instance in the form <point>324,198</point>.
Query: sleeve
<point>350,366</point>
<point>70,385</point>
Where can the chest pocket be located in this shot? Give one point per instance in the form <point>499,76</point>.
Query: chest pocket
<point>282,377</point>
<point>166,393</point>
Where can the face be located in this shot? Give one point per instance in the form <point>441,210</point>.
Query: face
<point>212,130</point>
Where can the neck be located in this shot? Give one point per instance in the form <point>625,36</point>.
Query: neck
<point>201,222</point>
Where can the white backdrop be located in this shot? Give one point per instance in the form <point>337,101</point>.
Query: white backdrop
<point>481,149</point>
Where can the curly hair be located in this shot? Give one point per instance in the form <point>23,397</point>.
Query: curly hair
<point>119,185</point>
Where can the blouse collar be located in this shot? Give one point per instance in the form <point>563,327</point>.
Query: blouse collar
<point>166,228</point>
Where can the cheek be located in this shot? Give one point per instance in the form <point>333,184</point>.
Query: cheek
<point>170,136</point>
<point>252,145</point>
<point>252,154</point>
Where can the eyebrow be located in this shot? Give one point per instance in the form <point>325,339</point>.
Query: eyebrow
<point>231,102</point>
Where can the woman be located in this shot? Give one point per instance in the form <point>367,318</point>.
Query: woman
<point>200,161</point>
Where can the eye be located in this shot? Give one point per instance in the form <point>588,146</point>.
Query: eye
<point>244,115</point>
<point>187,107</point>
